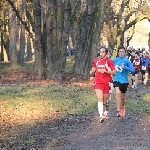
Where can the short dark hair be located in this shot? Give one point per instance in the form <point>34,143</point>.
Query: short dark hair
<point>106,49</point>
<point>121,47</point>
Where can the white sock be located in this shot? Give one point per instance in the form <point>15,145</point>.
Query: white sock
<point>100,108</point>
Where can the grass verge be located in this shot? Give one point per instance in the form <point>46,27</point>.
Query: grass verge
<point>24,104</point>
<point>140,106</point>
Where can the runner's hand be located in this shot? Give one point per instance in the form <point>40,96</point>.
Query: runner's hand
<point>122,66</point>
<point>91,78</point>
<point>91,71</point>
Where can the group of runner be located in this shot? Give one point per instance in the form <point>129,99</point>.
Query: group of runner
<point>108,72</point>
<point>141,63</point>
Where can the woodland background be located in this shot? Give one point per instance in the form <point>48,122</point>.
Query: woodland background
<point>48,28</point>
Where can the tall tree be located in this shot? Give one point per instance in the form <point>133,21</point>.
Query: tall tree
<point>38,44</point>
<point>22,34</point>
<point>89,25</point>
<point>58,27</point>
<point>13,40</point>
<point>4,31</point>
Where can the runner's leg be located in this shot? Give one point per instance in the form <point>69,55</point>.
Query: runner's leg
<point>99,94</point>
<point>136,80</point>
<point>118,100</point>
<point>146,78</point>
<point>106,96</point>
<point>123,104</point>
<point>132,80</point>
<point>123,100</point>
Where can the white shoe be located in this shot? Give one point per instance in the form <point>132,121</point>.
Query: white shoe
<point>132,86</point>
<point>135,88</point>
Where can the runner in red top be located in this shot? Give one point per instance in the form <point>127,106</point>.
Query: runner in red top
<point>103,68</point>
<point>136,65</point>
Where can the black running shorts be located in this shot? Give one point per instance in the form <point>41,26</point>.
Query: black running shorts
<point>144,71</point>
<point>122,86</point>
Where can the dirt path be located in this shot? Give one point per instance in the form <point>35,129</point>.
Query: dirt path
<point>81,132</point>
<point>129,133</point>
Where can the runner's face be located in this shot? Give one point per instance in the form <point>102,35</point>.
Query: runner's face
<point>144,54</point>
<point>121,52</point>
<point>133,53</point>
<point>136,56</point>
<point>102,53</point>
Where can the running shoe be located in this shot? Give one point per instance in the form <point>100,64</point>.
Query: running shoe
<point>135,88</point>
<point>118,113</point>
<point>122,112</point>
<point>101,120</point>
<point>105,116</point>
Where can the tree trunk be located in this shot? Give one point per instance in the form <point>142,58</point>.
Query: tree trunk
<point>58,26</point>
<point>2,47</point>
<point>38,43</point>
<point>6,47</point>
<point>13,40</point>
<point>5,39</point>
<point>29,49</point>
<point>22,35</point>
<point>88,35</point>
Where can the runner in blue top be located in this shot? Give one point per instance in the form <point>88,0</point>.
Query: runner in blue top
<point>123,67</point>
<point>145,61</point>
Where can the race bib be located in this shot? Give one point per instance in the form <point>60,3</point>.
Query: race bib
<point>137,63</point>
<point>100,67</point>
<point>143,67</point>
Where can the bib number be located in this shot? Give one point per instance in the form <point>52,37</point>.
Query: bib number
<point>143,67</point>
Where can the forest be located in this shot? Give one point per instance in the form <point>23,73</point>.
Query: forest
<point>48,28</point>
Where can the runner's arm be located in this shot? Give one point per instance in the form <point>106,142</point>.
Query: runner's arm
<point>111,72</point>
<point>92,70</point>
<point>129,67</point>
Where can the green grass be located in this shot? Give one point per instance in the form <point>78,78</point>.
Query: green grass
<point>69,63</point>
<point>21,106</point>
<point>6,68</point>
<point>45,101</point>
<point>140,106</point>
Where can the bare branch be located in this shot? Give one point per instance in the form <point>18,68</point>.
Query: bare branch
<point>138,19</point>
<point>18,15</point>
